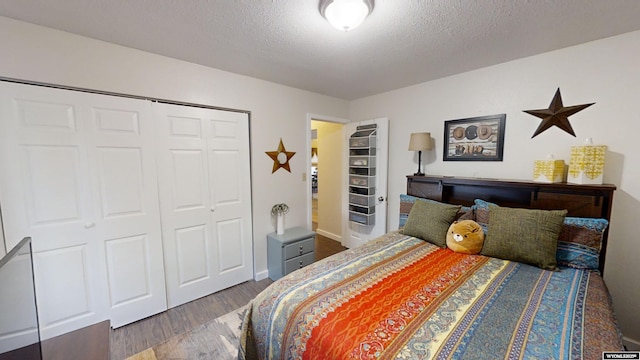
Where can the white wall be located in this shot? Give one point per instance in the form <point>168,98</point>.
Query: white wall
<point>40,54</point>
<point>606,72</point>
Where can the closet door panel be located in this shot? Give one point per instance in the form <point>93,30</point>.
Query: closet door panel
<point>122,181</point>
<point>191,249</point>
<point>46,115</point>
<point>188,179</point>
<point>200,181</point>
<point>227,201</point>
<point>53,194</point>
<point>78,176</point>
<point>136,269</point>
<point>67,269</point>
<point>225,183</point>
<point>184,201</point>
<point>45,193</point>
<point>229,172</point>
<point>120,141</point>
<point>231,253</point>
<point>117,121</point>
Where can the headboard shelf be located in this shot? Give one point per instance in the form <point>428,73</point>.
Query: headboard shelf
<point>579,200</point>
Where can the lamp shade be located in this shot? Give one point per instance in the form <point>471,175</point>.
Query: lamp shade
<point>420,141</point>
<point>345,14</point>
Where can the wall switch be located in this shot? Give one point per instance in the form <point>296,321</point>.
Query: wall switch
<point>304,176</point>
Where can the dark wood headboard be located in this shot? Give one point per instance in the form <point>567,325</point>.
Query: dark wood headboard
<point>580,200</point>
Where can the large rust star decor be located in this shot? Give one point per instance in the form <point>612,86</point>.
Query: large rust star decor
<point>556,115</point>
<point>280,158</point>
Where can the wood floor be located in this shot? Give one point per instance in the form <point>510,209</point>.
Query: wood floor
<point>134,338</point>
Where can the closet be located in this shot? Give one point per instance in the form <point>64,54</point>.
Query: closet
<point>205,197</point>
<point>129,202</point>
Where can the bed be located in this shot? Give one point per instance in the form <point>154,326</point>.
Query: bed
<point>404,296</point>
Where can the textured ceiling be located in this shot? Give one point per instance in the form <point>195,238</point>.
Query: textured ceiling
<point>403,42</point>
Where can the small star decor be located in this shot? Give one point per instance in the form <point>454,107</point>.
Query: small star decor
<point>556,115</point>
<point>280,158</point>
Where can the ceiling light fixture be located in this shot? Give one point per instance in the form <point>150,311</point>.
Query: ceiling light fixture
<point>345,14</point>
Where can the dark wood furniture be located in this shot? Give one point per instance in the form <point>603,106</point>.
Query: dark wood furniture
<point>580,200</point>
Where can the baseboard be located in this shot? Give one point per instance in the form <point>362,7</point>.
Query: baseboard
<point>631,344</point>
<point>261,275</point>
<point>331,236</point>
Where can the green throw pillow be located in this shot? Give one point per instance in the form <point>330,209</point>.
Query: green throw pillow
<point>430,221</point>
<point>524,235</point>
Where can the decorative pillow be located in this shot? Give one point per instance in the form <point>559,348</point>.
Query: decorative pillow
<point>481,210</point>
<point>407,201</point>
<point>524,235</point>
<point>466,213</point>
<point>429,220</point>
<point>580,242</point>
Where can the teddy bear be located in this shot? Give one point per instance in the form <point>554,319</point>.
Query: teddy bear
<point>465,237</point>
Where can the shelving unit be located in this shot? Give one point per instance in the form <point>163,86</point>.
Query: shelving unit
<point>362,175</point>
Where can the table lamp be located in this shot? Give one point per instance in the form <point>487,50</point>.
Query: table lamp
<point>419,142</point>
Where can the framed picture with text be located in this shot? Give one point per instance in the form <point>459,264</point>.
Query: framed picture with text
<point>474,139</point>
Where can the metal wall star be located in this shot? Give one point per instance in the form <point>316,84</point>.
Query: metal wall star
<point>280,158</point>
<point>556,114</point>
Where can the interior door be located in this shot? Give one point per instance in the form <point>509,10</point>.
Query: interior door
<point>46,194</point>
<point>358,233</point>
<point>205,195</point>
<point>121,150</point>
<point>78,176</point>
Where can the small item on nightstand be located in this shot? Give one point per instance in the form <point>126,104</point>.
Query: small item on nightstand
<point>279,210</point>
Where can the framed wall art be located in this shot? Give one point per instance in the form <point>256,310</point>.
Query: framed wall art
<point>474,139</point>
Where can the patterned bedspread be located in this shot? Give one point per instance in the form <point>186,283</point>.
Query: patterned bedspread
<point>399,297</point>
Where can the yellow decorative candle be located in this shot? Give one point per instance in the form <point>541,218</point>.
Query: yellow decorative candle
<point>586,165</point>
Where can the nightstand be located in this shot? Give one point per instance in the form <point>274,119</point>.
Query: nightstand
<point>290,251</point>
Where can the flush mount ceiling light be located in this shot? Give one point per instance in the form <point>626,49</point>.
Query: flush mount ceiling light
<point>345,14</point>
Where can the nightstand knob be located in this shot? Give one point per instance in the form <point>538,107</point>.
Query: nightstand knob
<point>300,263</point>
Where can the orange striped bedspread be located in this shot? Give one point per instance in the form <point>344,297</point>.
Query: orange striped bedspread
<point>399,297</point>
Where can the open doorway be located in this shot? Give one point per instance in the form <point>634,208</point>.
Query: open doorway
<point>326,174</point>
<point>326,178</point>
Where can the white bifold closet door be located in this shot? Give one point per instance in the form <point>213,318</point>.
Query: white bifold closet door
<point>205,198</point>
<point>78,175</point>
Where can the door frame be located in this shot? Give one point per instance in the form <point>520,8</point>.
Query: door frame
<point>311,116</point>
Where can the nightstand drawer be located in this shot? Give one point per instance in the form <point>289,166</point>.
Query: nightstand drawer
<point>299,248</point>
<point>299,262</point>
